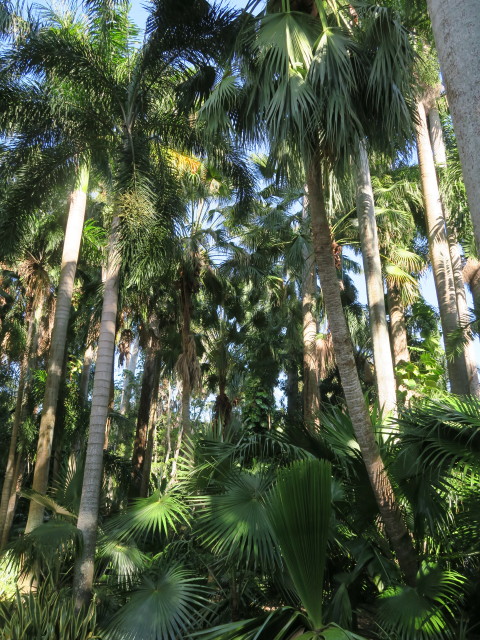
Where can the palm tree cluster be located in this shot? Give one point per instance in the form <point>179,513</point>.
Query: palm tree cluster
<point>229,409</point>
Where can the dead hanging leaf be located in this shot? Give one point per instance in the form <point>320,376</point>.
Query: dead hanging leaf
<point>188,367</point>
<point>325,355</point>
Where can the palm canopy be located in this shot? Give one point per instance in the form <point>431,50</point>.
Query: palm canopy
<point>329,77</point>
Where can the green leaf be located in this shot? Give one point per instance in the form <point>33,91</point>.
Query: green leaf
<point>299,510</point>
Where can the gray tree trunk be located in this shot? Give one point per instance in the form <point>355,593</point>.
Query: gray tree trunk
<point>471,275</point>
<point>439,153</point>
<point>381,486</point>
<point>88,359</point>
<point>398,327</point>
<point>92,478</point>
<point>456,27</point>
<point>129,375</point>
<point>71,250</point>
<point>440,254</point>
<point>367,227</point>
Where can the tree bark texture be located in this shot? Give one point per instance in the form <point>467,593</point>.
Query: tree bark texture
<point>152,433</point>
<point>71,249</point>
<point>471,275</point>
<point>344,354</point>
<point>372,267</point>
<point>88,359</point>
<point>92,479</point>
<point>148,400</point>
<point>398,327</point>
<point>456,28</point>
<point>436,137</point>
<point>440,253</point>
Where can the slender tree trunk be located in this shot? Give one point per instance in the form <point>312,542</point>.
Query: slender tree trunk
<point>12,502</point>
<point>311,366</point>
<point>111,406</point>
<point>71,249</point>
<point>372,267</point>
<point>89,504</point>
<point>148,400</point>
<point>152,433</point>
<point>456,27</point>
<point>436,137</point>
<point>398,327</point>
<point>88,360</point>
<point>471,275</point>
<point>388,507</point>
<point>440,254</point>
<point>129,375</point>
<point>440,157</point>
<point>462,308</point>
<point>26,367</point>
<point>176,454</point>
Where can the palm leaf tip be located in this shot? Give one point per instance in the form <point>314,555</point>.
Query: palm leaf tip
<point>299,511</point>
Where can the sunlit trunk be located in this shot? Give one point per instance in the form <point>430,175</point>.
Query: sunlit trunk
<point>71,249</point>
<point>88,360</point>
<point>456,28</point>
<point>436,137</point>
<point>344,354</point>
<point>471,275</point>
<point>398,327</point>
<point>367,228</point>
<point>92,478</point>
<point>440,254</point>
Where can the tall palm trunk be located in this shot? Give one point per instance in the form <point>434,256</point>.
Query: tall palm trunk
<point>436,137</point>
<point>311,366</point>
<point>152,433</point>
<point>88,359</point>
<point>92,478</point>
<point>440,254</point>
<point>367,227</point>
<point>382,488</point>
<point>129,374</point>
<point>456,27</point>
<point>71,249</point>
<point>440,157</point>
<point>26,367</point>
<point>148,400</point>
<point>15,488</point>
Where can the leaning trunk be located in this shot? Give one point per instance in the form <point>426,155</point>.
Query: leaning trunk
<point>389,510</point>
<point>71,249</point>
<point>92,478</point>
<point>456,27</point>
<point>440,254</point>
<point>367,228</point>
<point>148,399</point>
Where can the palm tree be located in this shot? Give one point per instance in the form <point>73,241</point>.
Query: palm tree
<point>71,250</point>
<point>303,110</point>
<point>456,30</point>
<point>367,227</point>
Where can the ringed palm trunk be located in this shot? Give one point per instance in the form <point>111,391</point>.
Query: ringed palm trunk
<point>13,459</point>
<point>456,28</point>
<point>92,478</point>
<point>148,399</point>
<point>311,366</point>
<point>367,227</point>
<point>71,249</point>
<point>382,488</point>
<point>440,254</point>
